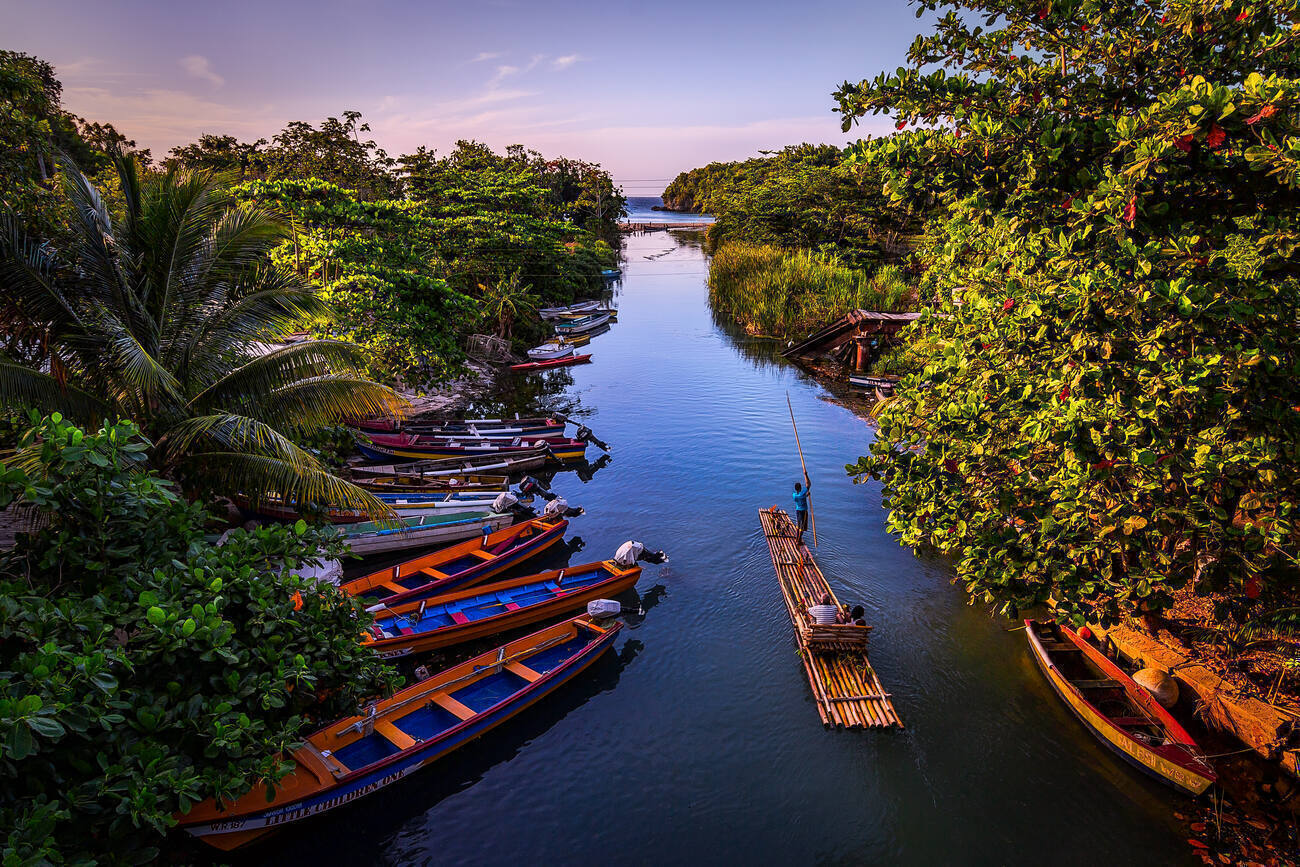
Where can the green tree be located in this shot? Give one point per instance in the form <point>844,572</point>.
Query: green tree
<point>221,154</point>
<point>506,302</point>
<point>168,314</point>
<point>1107,415</point>
<point>334,152</point>
<point>145,668</point>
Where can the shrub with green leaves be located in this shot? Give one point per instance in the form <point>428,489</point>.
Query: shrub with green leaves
<point>144,668</point>
<point>1109,411</point>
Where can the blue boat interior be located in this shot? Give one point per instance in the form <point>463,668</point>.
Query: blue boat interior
<point>427,720</point>
<point>485,605</point>
<point>457,567</point>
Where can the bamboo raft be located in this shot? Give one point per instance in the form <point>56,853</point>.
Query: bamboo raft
<point>846,687</point>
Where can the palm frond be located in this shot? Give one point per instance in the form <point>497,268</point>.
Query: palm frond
<point>262,477</point>
<point>312,403</point>
<point>21,388</point>
<point>27,276</point>
<point>257,379</point>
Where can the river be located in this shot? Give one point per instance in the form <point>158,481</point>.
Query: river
<point>697,740</point>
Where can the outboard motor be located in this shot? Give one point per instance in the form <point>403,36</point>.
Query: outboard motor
<point>629,553</point>
<point>601,609</point>
<point>584,433</point>
<point>558,507</point>
<point>507,502</point>
<point>531,487</point>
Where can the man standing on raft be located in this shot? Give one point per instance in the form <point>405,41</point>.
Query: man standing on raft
<point>801,506</point>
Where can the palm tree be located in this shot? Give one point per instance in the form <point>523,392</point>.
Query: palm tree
<point>504,303</point>
<point>171,315</point>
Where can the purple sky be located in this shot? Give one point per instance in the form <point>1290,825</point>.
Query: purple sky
<point>648,89</point>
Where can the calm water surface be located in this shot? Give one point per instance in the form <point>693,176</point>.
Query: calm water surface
<point>697,741</point>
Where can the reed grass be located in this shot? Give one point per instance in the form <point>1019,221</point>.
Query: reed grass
<point>775,292</point>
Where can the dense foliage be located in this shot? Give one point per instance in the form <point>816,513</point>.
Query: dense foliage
<point>407,279</point>
<point>166,313</point>
<point>1109,413</point>
<point>144,668</point>
<point>778,293</point>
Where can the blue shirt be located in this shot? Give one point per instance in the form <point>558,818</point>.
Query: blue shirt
<point>800,500</point>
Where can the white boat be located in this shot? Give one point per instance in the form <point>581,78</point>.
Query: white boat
<point>548,351</point>
<point>580,308</point>
<point>590,322</point>
<point>373,537</point>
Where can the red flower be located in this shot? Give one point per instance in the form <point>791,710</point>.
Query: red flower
<point>1065,393</point>
<point>1103,465</point>
<point>1164,18</point>
<point>1252,587</point>
<point>1042,12</point>
<point>1184,143</point>
<point>1009,305</point>
<point>985,345</point>
<point>1131,210</point>
<point>1264,114</point>
<point>1216,137</point>
<point>1243,15</point>
<point>1084,27</point>
<point>297,601</point>
<point>900,124</point>
<point>1069,203</point>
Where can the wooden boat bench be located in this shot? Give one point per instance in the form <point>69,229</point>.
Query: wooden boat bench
<point>834,636</point>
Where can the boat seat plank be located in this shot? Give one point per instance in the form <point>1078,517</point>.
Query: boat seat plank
<point>433,573</point>
<point>1101,683</point>
<point>396,736</point>
<point>449,704</point>
<point>523,671</point>
<point>480,553</point>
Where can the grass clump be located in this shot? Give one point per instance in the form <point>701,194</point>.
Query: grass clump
<point>775,292</point>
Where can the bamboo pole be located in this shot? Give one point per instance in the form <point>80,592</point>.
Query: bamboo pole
<point>812,517</point>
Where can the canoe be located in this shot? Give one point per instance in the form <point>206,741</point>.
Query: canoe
<point>461,565</point>
<point>575,339</point>
<point>589,322</point>
<point>516,462</point>
<point>465,425</point>
<point>1123,715</point>
<point>411,447</point>
<point>477,612</point>
<point>405,505</point>
<point>548,351</point>
<point>530,366</point>
<point>611,272</point>
<point>358,755</point>
<point>581,307</point>
<point>883,383</point>
<point>374,537</point>
<point>549,434</point>
<point>397,483</point>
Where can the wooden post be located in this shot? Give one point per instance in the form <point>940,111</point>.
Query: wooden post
<point>863,359</point>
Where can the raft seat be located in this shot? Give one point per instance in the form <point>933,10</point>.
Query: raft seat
<point>480,553</point>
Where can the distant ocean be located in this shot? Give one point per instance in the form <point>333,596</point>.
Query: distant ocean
<point>640,210</point>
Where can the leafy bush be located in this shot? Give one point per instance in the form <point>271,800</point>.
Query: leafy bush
<point>144,668</point>
<point>1108,416</point>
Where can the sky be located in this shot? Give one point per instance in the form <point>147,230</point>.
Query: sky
<point>647,89</point>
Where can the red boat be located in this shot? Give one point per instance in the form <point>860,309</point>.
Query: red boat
<point>528,366</point>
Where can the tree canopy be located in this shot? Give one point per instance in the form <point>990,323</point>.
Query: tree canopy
<point>1108,415</point>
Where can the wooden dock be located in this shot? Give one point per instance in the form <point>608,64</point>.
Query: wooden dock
<point>658,226</point>
<point>847,690</point>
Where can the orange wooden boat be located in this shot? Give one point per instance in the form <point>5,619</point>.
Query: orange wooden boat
<point>470,562</point>
<point>356,756</point>
<point>1123,715</point>
<point>450,618</point>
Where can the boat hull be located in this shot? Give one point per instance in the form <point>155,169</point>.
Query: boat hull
<point>516,462</point>
<point>530,366</point>
<point>378,452</point>
<point>401,538</point>
<point>1164,763</point>
<point>383,586</point>
<point>248,821</point>
<point>579,326</point>
<point>453,633</point>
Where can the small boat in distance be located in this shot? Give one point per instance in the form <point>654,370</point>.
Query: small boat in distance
<point>486,609</point>
<point>411,447</point>
<point>590,322</point>
<point>582,307</point>
<point>610,273</point>
<point>529,366</point>
<point>461,565</point>
<point>360,754</point>
<point>549,351</point>
<point>1123,715</point>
